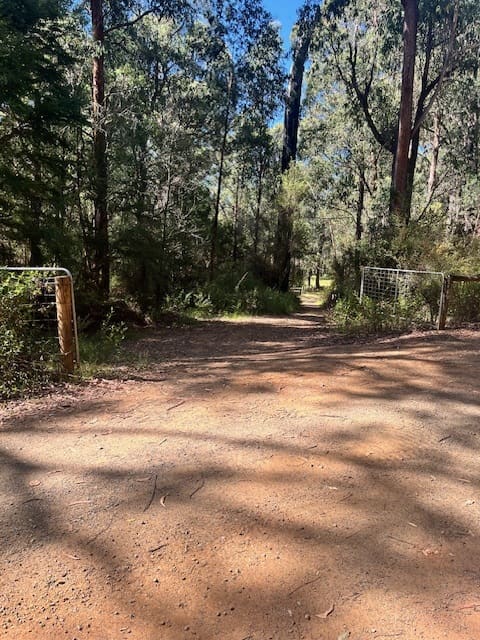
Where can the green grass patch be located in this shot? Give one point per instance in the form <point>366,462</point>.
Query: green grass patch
<point>100,352</point>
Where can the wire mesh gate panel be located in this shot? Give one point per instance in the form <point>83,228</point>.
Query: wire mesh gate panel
<point>47,312</point>
<point>404,285</point>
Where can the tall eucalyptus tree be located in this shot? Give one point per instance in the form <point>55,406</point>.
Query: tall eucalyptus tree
<point>418,45</point>
<point>308,20</point>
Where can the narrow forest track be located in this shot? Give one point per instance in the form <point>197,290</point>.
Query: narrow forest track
<point>263,479</point>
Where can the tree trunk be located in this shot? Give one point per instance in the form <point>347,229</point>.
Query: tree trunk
<point>475,134</point>
<point>36,255</point>
<point>35,228</point>
<point>216,212</point>
<point>160,288</point>
<point>84,219</point>
<point>140,154</point>
<point>358,223</point>
<point>283,250</point>
<point>256,235</point>
<point>293,100</point>
<point>360,205</point>
<point>432,178</point>
<point>412,163</point>
<point>236,209</point>
<point>101,261</point>
<point>399,199</point>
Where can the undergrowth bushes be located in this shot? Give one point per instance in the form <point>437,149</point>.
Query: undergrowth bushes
<point>464,302</point>
<point>25,354</point>
<point>29,350</point>
<point>374,317</point>
<point>422,307</point>
<point>103,346</point>
<point>232,294</point>
<point>464,298</point>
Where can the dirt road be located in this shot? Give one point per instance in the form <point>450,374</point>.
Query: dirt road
<point>263,480</point>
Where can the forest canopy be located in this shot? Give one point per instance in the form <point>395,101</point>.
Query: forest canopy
<point>143,146</point>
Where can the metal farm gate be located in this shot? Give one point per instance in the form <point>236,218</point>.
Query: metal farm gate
<point>393,285</point>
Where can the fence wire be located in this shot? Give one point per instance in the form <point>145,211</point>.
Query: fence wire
<point>422,288</point>
<point>37,311</point>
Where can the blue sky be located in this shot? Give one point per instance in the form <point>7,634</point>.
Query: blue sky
<point>285,11</point>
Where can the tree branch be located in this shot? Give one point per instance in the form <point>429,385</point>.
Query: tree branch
<point>362,97</point>
<point>437,83</point>
<point>129,23</point>
<point>433,193</point>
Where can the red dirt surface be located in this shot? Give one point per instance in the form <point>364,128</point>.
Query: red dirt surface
<point>263,481</point>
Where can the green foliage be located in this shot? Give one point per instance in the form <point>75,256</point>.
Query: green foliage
<point>454,256</point>
<point>349,138</point>
<point>112,334</point>
<point>376,317</point>
<point>26,356</point>
<point>464,302</point>
<point>39,107</point>
<point>102,352</point>
<point>104,346</point>
<point>233,294</point>
<point>346,268</point>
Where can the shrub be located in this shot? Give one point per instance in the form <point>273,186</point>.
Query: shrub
<point>232,293</point>
<point>378,316</point>
<point>103,346</point>
<point>464,302</point>
<point>25,355</point>
<point>458,257</point>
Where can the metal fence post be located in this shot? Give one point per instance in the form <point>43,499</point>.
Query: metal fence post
<point>361,283</point>
<point>442,312</point>
<point>396,290</point>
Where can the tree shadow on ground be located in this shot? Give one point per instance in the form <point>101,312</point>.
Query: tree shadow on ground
<point>247,527</point>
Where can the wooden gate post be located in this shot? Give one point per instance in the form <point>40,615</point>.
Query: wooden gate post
<point>63,297</point>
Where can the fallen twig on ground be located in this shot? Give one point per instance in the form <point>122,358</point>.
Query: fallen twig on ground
<point>99,533</point>
<point>200,486</point>
<point>31,500</point>
<point>305,584</point>
<point>147,506</point>
<point>174,406</point>
<point>160,546</point>
<point>326,613</point>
